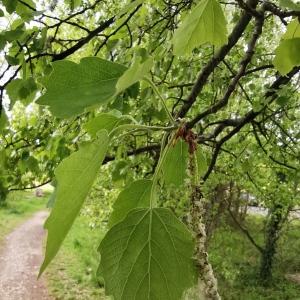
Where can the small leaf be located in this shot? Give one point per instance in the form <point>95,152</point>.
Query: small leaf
<point>287,55</point>
<point>174,168</point>
<point>104,121</point>
<point>119,172</point>
<point>71,87</point>
<point>12,35</point>
<point>12,90</point>
<point>25,9</point>
<point>10,5</point>
<point>3,120</point>
<point>148,255</point>
<point>134,74</point>
<point>75,176</point>
<point>136,195</point>
<point>289,4</point>
<point>205,24</point>
<point>201,162</point>
<point>13,61</point>
<point>292,30</point>
<point>19,89</point>
<point>74,3</point>
<point>282,100</point>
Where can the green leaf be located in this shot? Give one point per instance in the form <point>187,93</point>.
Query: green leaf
<point>71,87</point>
<point>12,90</point>
<point>289,4</point>
<point>19,89</point>
<point>174,168</point>
<point>26,9</point>
<point>3,120</point>
<point>73,3</point>
<point>282,100</point>
<point>75,176</point>
<point>136,195</point>
<point>201,162</point>
<point>10,5</point>
<point>1,13</point>
<point>148,255</point>
<point>2,41</point>
<point>119,172</point>
<point>287,55</point>
<point>104,121</point>
<point>292,30</point>
<point>134,74</point>
<point>12,35</point>
<point>13,61</point>
<point>205,24</point>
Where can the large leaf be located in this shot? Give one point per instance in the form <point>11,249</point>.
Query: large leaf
<point>75,176</point>
<point>136,195</point>
<point>287,55</point>
<point>134,74</point>
<point>174,168</point>
<point>73,87</point>
<point>148,255</point>
<point>205,24</point>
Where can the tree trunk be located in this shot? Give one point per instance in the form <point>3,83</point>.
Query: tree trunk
<point>272,234</point>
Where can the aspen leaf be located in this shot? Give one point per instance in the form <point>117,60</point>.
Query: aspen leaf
<point>205,24</point>
<point>148,255</point>
<point>75,176</point>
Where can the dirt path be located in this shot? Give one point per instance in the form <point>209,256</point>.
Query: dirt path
<point>20,259</point>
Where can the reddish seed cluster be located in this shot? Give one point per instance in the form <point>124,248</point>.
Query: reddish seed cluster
<point>189,136</point>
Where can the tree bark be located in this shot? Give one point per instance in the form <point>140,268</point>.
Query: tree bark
<point>273,228</point>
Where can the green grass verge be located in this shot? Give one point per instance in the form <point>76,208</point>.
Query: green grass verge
<point>72,274</point>
<point>18,207</point>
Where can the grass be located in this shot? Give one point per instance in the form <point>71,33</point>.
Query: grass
<point>72,274</point>
<point>236,262</point>
<point>18,207</point>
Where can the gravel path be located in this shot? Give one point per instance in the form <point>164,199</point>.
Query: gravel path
<point>20,259</point>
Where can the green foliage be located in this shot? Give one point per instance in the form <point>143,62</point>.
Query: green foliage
<point>151,259</point>
<point>205,24</point>
<point>136,195</point>
<point>71,87</point>
<point>236,265</point>
<point>75,176</point>
<point>242,114</point>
